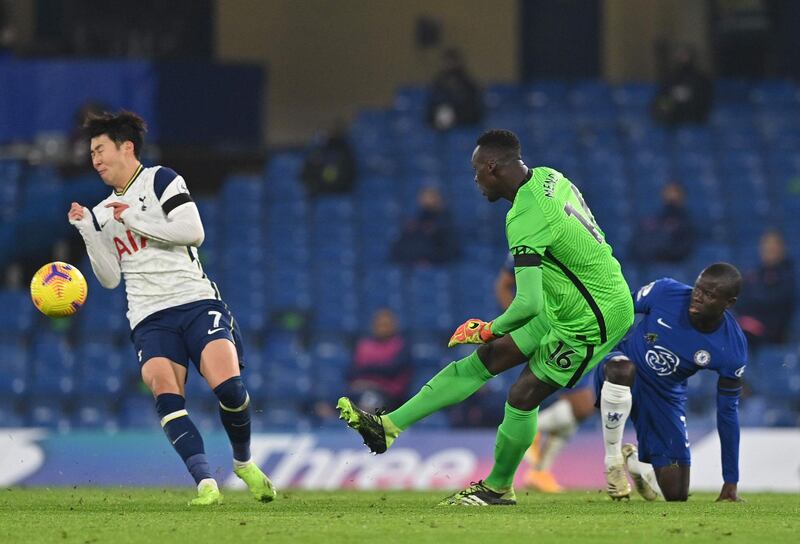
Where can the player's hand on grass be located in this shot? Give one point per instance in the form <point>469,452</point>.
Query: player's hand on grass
<point>472,331</point>
<point>119,207</point>
<point>728,494</point>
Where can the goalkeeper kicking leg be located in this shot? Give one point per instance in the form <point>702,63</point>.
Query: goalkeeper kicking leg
<point>454,383</point>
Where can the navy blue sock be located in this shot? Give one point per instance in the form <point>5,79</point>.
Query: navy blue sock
<point>234,411</point>
<point>182,434</point>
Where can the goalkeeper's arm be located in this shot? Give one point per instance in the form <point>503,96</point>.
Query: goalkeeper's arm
<point>527,303</point>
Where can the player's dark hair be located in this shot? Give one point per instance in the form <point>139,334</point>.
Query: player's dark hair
<point>121,127</point>
<point>727,275</point>
<point>504,142</point>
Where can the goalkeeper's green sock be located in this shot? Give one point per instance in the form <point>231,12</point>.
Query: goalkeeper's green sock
<point>451,385</point>
<point>514,437</point>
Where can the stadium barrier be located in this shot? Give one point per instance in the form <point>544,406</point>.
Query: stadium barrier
<point>336,460</point>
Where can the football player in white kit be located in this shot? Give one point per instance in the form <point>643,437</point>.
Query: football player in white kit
<point>148,231</point>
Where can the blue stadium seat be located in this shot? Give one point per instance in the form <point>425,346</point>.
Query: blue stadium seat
<point>732,91</point>
<point>139,412</point>
<point>775,93</point>
<point>287,385</point>
<point>429,351</point>
<point>752,410</point>
<point>633,96</point>
<point>48,411</point>
<point>10,415</point>
<point>95,413</point>
<point>381,287</point>
<point>589,93</point>
<point>329,384</point>
<point>283,418</point>
<point>54,366</point>
<point>474,290</point>
<point>331,354</point>
<point>429,298</point>
<point>284,164</point>
<point>411,99</point>
<point>502,96</point>
<point>17,315</point>
<point>104,311</point>
<point>104,369</point>
<point>15,377</point>
<point>10,193</point>
<point>546,95</point>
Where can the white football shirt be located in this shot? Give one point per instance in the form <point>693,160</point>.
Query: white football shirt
<point>157,275</point>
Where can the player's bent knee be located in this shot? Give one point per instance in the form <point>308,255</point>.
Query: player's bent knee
<point>524,394</point>
<point>232,394</point>
<point>620,371</point>
<point>500,355</point>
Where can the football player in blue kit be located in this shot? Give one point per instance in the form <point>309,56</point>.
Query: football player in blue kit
<point>684,329</point>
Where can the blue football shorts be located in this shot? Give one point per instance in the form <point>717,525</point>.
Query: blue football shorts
<point>181,333</point>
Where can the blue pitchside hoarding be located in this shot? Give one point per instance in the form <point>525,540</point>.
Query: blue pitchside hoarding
<point>336,460</point>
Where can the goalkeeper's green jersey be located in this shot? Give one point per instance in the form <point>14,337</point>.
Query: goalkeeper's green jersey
<point>585,295</point>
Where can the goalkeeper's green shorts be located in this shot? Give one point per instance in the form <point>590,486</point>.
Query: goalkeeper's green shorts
<point>556,359</point>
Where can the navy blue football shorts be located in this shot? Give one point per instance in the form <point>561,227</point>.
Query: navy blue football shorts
<point>181,333</point>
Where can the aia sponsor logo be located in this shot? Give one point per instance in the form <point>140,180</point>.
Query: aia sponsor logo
<point>129,246</point>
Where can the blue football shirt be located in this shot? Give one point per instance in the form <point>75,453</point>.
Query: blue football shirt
<point>667,349</point>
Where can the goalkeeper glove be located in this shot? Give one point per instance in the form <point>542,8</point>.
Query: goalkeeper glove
<point>472,331</point>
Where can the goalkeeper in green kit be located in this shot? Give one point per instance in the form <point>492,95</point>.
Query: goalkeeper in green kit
<point>571,307</point>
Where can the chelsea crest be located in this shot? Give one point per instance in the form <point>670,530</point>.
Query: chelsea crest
<point>702,358</point>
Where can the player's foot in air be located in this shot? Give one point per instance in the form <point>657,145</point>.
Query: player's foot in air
<point>643,487</point>
<point>257,482</point>
<point>207,493</point>
<point>478,494</point>
<point>618,487</point>
<point>378,433</point>
<point>542,480</point>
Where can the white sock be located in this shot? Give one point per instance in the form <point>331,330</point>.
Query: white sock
<point>645,470</point>
<point>555,443</point>
<point>241,464</point>
<point>615,405</point>
<point>556,418</point>
<point>207,482</point>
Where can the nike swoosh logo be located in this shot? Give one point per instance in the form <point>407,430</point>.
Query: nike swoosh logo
<point>687,444</point>
<point>212,331</point>
<point>661,322</point>
<point>611,428</point>
<point>181,436</point>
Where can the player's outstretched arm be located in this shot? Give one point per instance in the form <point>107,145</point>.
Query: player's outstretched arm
<point>181,227</point>
<point>527,303</point>
<point>102,257</point>
<point>728,392</point>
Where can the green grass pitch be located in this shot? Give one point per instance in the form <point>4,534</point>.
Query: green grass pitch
<point>160,516</point>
